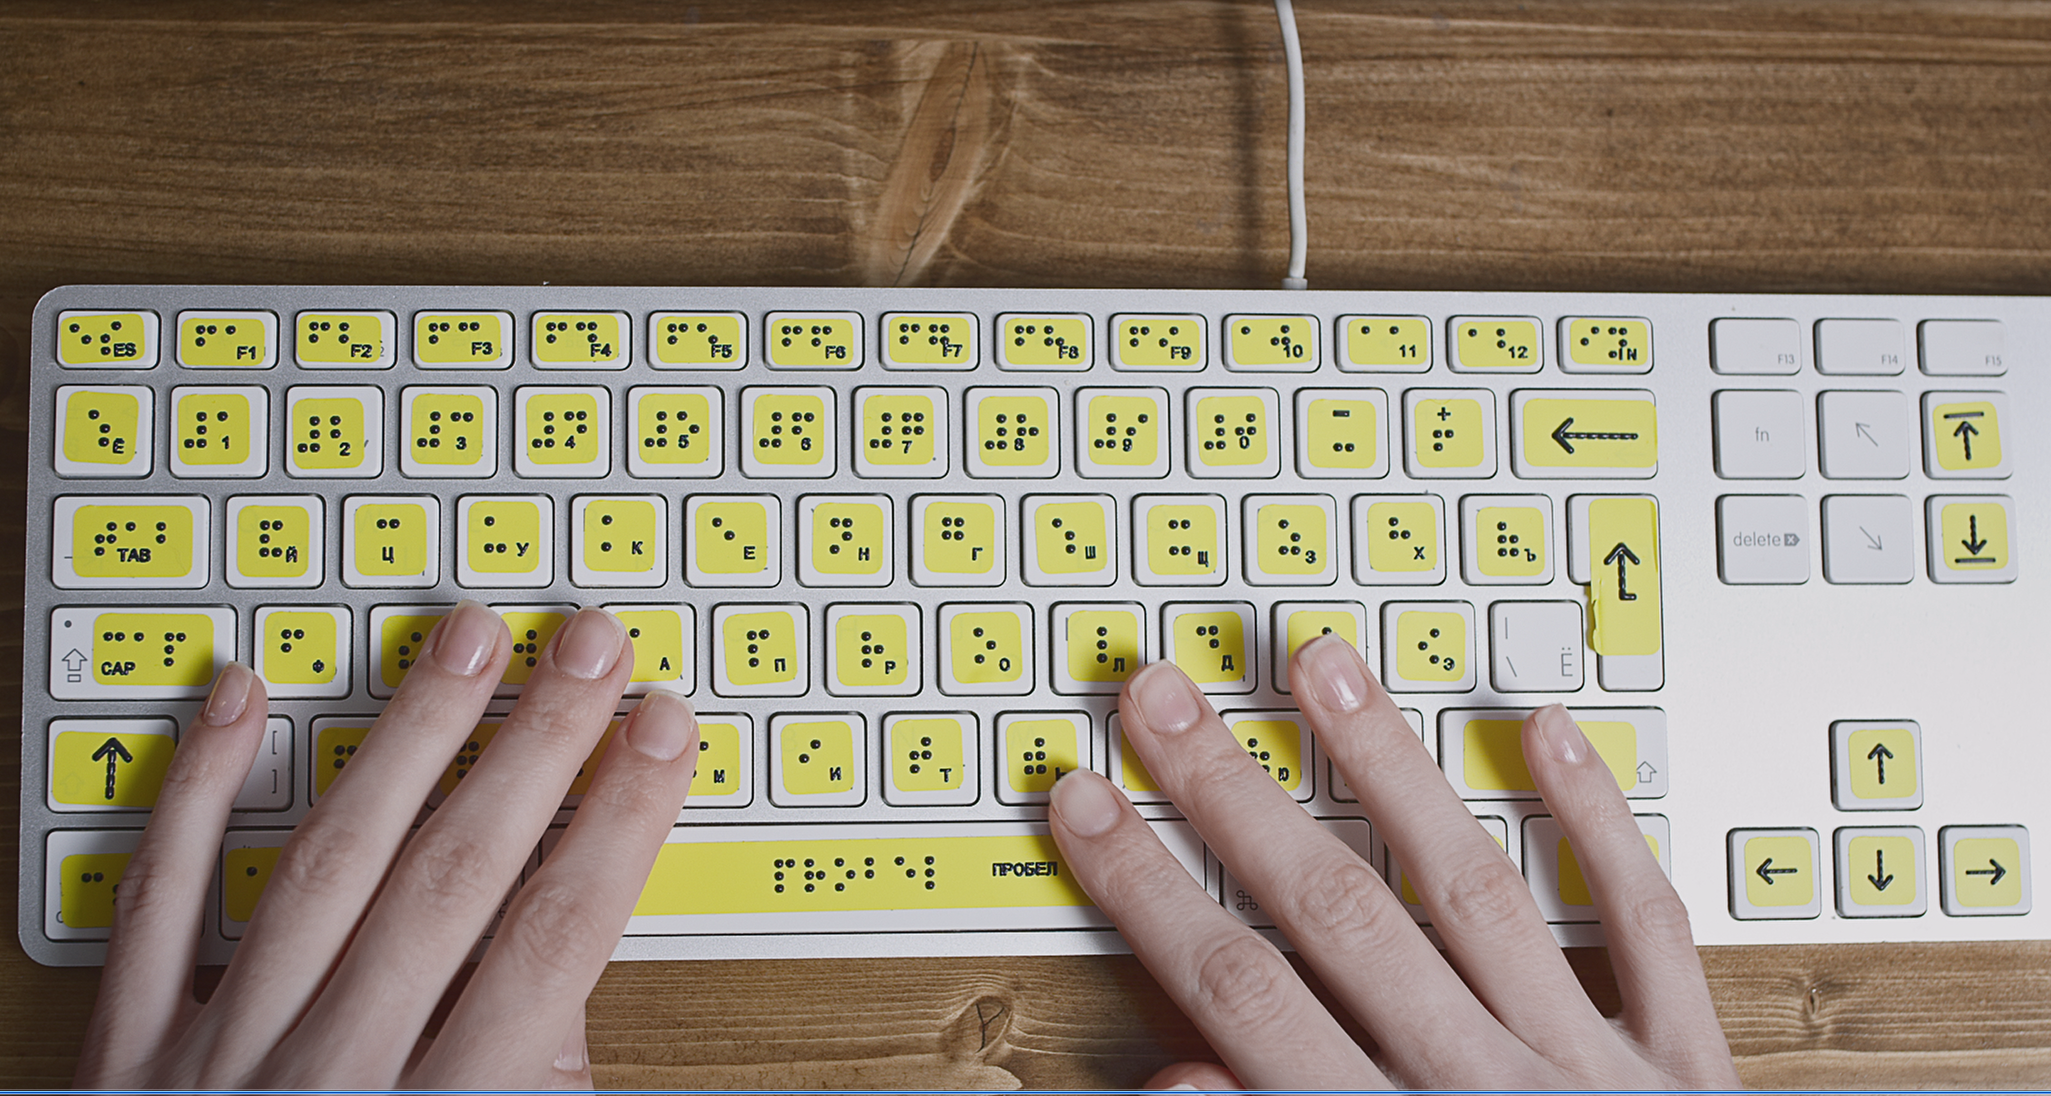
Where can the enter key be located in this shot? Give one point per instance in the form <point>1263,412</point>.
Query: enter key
<point>1615,553</point>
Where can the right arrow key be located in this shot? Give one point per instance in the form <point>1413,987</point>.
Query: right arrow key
<point>1985,870</point>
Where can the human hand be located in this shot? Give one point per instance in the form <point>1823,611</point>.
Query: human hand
<point>361,929</point>
<point>1500,1009</point>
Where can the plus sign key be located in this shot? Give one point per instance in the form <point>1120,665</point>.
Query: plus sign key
<point>1452,433</point>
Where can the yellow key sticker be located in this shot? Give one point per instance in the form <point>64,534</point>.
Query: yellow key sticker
<point>988,647</point>
<point>1182,540</point>
<point>1014,431</point>
<point>1305,625</point>
<point>447,428</point>
<point>1071,539</point>
<point>1388,342</point>
<point>761,648</point>
<point>1987,871</point>
<point>1573,888</point>
<point>213,428</point>
<point>563,428</point>
<point>400,641</point>
<point>274,542</point>
<point>1160,342</point>
<point>329,433</point>
<point>719,771</point>
<point>926,754</point>
<point>462,338</point>
<point>674,428</point>
<point>1402,537</point>
<point>344,338</point>
<point>1589,433</point>
<point>1430,646</point>
<point>103,338</point>
<point>100,427</point>
<point>833,875</point>
<point>502,536</point>
<point>1122,431</point>
<point>333,745</point>
<point>86,888</point>
<point>1512,541</point>
<point>898,429</point>
<point>531,632</point>
<point>1132,772</point>
<point>789,428</point>
<point>1883,763</point>
<point>244,874</point>
<point>1047,342</point>
<point>947,339</point>
<point>960,538</point>
<point>1449,433</point>
<point>1290,539</point>
<point>698,339</point>
<point>1892,878</point>
<point>1779,871</point>
<point>1272,341</point>
<point>1975,535</point>
<point>222,340</point>
<point>1610,344</point>
<point>1038,751</point>
<point>1276,745</point>
<point>1492,753</point>
<point>118,769</point>
<point>153,649</point>
<point>731,537</point>
<point>392,539</point>
<point>620,535</point>
<point>300,647</point>
<point>1211,646</point>
<point>1103,644</point>
<point>658,639</point>
<point>871,650</point>
<point>814,341</point>
<point>1496,344</point>
<point>1966,435</point>
<point>818,757</point>
<point>138,542</point>
<point>1341,434</point>
<point>1231,431</point>
<point>579,338</point>
<point>1623,560</point>
<point>847,538</point>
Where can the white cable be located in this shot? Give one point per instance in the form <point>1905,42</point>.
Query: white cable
<point>1299,225</point>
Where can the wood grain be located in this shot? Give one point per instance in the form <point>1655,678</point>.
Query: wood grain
<point>1638,144</point>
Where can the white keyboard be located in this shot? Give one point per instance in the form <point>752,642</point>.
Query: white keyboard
<point>901,546</point>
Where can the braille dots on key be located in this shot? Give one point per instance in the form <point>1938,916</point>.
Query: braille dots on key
<point>916,757</point>
<point>288,636</point>
<point>316,329</point>
<point>564,428</point>
<point>527,645</point>
<point>1292,549</point>
<point>111,537</point>
<point>796,426</point>
<point>1612,340</point>
<point>1044,334</point>
<point>555,332</point>
<point>436,330</point>
<point>1224,435</point>
<point>408,650</point>
<point>756,638</point>
<point>1442,433</point>
<point>435,420</point>
<point>341,753</point>
<point>1284,342</point>
<point>1035,759</point>
<point>676,332</point>
<point>938,334</point>
<point>201,331</point>
<point>196,439</point>
<point>1508,545</point>
<point>1013,433</point>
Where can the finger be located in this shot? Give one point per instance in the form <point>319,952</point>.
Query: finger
<point>147,985</point>
<point>1232,984</point>
<point>1332,905</point>
<point>562,928</point>
<point>337,858</point>
<point>1196,1077</point>
<point>1659,973</point>
<point>453,875</point>
<point>1478,901</point>
<point>572,1068</point>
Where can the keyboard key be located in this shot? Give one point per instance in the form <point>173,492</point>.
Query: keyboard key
<point>1128,771</point>
<point>227,340</point>
<point>1864,435</point>
<point>725,773</point>
<point>1483,752</point>
<point>818,760</point>
<point>1339,433</point>
<point>1962,348</point>
<point>398,636</point>
<point>105,431</point>
<point>1452,433</point>
<point>1614,550</point>
<point>1605,345</point>
<point>944,340</point>
<point>1299,622</point>
<point>1013,432</point>
<point>120,653</point>
<point>1872,348</point>
<point>1757,348</point>
<point>1499,344</point>
<point>1869,539</point>
<point>1962,435</point>
<point>1280,744</point>
<point>760,650</point>
<point>579,340</point>
<point>462,340</point>
<point>109,764</point>
<point>959,540</point>
<point>1271,343</point>
<point>678,432</point>
<point>733,540</point>
<point>1291,540</point>
<point>1558,884</point>
<point>1212,642</point>
<point>1428,646</point>
<point>873,650</point>
<point>1399,540</point>
<point>1986,870</point>
<point>619,541</point>
<point>1880,872</point>
<point>128,542</point>
<point>82,872</point>
<point>107,340</point>
<point>1761,435</point>
<point>1070,540</point>
<point>276,541</point>
<point>665,648</point>
<point>1384,344</point>
<point>845,540</point>
<point>1097,646</point>
<point>697,340</point>
<point>1406,892</point>
<point>391,541</point>
<point>903,432</point>
<point>1970,539</point>
<point>1773,875</point>
<point>1876,765</point>
<point>814,340</point>
<point>532,626</point>
<point>334,431</point>
<point>1122,432</point>
<point>1058,341</point>
<point>1762,539</point>
<point>1584,434</point>
<point>932,759</point>
<point>562,432</point>
<point>1182,540</point>
<point>303,651</point>
<point>790,432</point>
<point>346,340</point>
<point>1535,646</point>
<point>1232,433</point>
<point>247,859</point>
<point>986,650</point>
<point>505,540</point>
<point>1506,539</point>
<point>1038,747</point>
<point>268,787</point>
<point>219,432</point>
<point>1170,342</point>
<point>449,432</point>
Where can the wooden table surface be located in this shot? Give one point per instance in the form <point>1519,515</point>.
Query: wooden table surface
<point>1592,146</point>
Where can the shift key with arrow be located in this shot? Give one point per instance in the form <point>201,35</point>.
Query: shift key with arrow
<point>1616,553</point>
<point>108,764</point>
<point>1564,434</point>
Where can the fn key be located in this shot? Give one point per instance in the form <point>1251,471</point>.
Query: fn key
<point>1535,646</point>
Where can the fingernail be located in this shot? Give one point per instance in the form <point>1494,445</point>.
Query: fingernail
<point>1332,674</point>
<point>1085,802</point>
<point>1167,702</point>
<point>230,696</point>
<point>575,1055</point>
<point>464,641</point>
<point>589,644</point>
<point>1562,736</point>
<point>662,726</point>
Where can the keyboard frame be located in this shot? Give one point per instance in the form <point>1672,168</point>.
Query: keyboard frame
<point>1981,763</point>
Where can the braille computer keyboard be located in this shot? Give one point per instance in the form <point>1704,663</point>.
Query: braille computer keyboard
<point>902,546</point>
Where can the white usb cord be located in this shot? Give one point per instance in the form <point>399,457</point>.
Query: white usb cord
<point>1299,225</point>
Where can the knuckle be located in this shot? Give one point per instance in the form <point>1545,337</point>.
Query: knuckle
<point>1245,980</point>
<point>1342,899</point>
<point>320,860</point>
<point>551,932</point>
<point>632,794</point>
<point>451,871</point>
<point>1485,898</point>
<point>1658,914</point>
<point>144,893</point>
